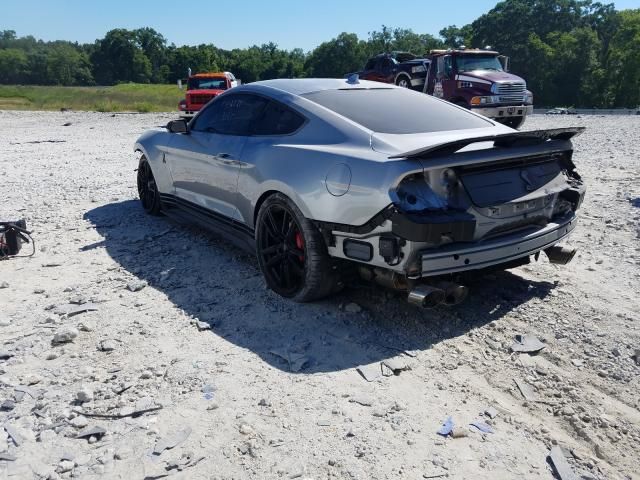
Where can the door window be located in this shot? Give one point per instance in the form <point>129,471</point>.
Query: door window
<point>276,119</point>
<point>230,115</point>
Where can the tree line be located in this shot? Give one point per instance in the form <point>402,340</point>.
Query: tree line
<point>571,52</point>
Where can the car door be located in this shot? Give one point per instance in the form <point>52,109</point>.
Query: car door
<point>205,162</point>
<point>275,126</point>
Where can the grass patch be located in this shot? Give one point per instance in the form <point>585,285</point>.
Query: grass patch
<point>124,97</point>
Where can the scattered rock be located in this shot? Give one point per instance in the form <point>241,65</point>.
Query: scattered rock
<point>96,432</point>
<point>172,441</point>
<point>491,412</point>
<point>136,285</point>
<point>107,346</point>
<point>32,379</point>
<point>297,361</point>
<point>560,464</point>
<point>71,309</point>
<point>636,356</point>
<point>85,394</point>
<point>4,284</point>
<point>65,334</point>
<point>65,466</point>
<point>396,365</point>
<point>246,429</point>
<point>80,421</point>
<point>361,400</point>
<point>370,372</point>
<point>5,355</point>
<point>527,344</point>
<point>202,325</point>
<point>13,433</point>
<point>526,390</point>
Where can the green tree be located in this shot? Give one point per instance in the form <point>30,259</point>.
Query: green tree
<point>455,37</point>
<point>154,46</point>
<point>66,65</point>
<point>119,58</point>
<point>623,66</point>
<point>13,65</point>
<point>337,57</point>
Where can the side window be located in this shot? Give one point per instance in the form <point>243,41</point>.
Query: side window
<point>230,115</point>
<point>448,67</point>
<point>277,119</point>
<point>387,65</point>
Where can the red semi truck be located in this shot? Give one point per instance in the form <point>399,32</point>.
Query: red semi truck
<point>477,79</point>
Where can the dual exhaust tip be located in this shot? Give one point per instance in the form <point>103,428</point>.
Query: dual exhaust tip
<point>560,255</point>
<point>449,293</point>
<point>428,296</point>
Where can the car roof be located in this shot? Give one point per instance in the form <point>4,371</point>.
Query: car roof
<point>302,86</point>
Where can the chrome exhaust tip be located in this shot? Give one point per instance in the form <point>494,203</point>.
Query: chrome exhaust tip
<point>560,255</point>
<point>454,293</point>
<point>425,296</point>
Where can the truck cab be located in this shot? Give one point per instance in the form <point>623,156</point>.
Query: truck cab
<point>202,87</point>
<point>478,79</point>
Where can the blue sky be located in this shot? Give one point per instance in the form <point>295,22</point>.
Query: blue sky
<point>238,23</point>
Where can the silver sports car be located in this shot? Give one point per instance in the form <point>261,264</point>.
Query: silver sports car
<point>324,178</point>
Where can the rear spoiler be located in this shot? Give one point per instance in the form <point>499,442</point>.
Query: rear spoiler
<point>515,139</point>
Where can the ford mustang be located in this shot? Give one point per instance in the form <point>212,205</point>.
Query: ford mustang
<point>324,178</point>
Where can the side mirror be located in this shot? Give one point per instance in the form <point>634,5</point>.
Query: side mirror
<point>178,126</point>
<point>504,60</point>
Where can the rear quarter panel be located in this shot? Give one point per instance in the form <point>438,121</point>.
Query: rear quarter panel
<point>300,172</point>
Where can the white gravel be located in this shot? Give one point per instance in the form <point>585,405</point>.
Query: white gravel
<point>271,390</point>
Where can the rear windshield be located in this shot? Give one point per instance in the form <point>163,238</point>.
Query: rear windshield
<point>396,110</point>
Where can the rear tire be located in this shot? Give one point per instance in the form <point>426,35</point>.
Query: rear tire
<point>148,189</point>
<point>291,252</point>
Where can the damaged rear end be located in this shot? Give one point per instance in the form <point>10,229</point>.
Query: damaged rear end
<point>480,202</point>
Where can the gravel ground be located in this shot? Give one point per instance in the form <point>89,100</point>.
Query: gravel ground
<point>186,366</point>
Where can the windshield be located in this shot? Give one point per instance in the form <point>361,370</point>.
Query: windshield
<point>467,63</point>
<point>396,110</point>
<point>217,83</point>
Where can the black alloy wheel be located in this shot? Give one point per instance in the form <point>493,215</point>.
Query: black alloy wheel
<point>291,251</point>
<point>147,188</point>
<point>282,250</point>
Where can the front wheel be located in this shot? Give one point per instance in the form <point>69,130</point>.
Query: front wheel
<point>291,252</point>
<point>147,188</point>
<point>403,82</point>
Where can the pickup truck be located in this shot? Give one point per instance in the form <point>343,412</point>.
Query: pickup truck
<point>402,68</point>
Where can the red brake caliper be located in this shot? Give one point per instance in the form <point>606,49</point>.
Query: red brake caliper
<point>300,245</point>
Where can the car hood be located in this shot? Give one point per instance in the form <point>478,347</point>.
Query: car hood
<point>493,76</point>
<point>393,144</point>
